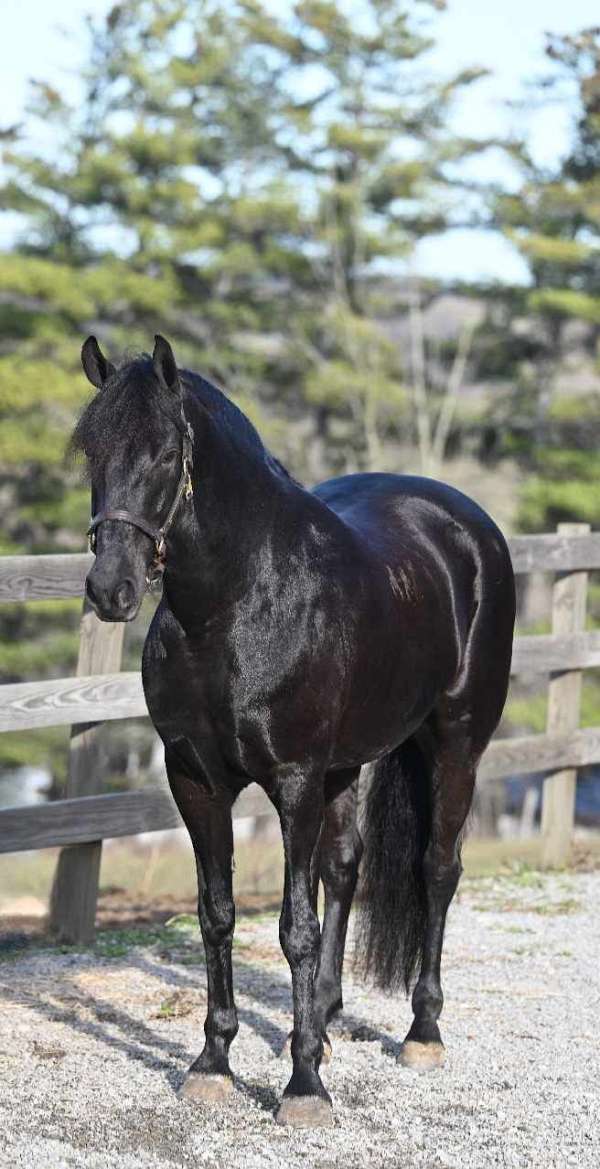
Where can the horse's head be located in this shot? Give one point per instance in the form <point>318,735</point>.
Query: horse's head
<point>138,449</point>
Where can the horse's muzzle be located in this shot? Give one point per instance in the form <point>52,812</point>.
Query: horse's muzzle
<point>120,602</point>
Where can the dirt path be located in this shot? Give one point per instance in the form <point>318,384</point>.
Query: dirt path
<point>93,1045</point>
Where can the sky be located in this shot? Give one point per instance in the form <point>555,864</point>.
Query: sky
<point>507,38</point>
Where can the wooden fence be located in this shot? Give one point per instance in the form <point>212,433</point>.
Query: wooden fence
<point>100,691</point>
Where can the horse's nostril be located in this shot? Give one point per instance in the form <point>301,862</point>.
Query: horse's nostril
<point>124,595</point>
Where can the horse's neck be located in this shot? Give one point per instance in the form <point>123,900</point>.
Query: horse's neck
<point>238,494</point>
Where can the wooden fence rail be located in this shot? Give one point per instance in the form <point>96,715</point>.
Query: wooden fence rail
<point>101,692</point>
<point>103,697</point>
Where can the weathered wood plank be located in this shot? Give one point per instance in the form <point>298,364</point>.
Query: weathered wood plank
<point>548,653</point>
<point>43,578</point>
<point>74,892</point>
<point>92,818</point>
<point>555,552</point>
<point>61,701</point>
<point>569,600</point>
<point>535,753</point>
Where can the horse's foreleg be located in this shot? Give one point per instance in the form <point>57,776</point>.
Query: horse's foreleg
<point>207,816</point>
<point>299,801</point>
<point>452,782</point>
<point>341,849</point>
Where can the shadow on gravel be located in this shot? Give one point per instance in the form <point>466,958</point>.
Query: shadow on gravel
<point>136,1040</point>
<point>267,988</point>
<point>88,1014</point>
<point>253,982</point>
<point>264,1097</point>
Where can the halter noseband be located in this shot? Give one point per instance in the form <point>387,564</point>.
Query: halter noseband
<point>157,535</point>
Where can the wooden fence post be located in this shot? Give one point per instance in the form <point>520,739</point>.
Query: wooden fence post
<point>75,887</point>
<point>569,599</point>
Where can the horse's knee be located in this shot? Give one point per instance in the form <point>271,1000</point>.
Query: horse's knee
<point>442,869</point>
<point>299,939</point>
<point>217,921</point>
<point>339,866</point>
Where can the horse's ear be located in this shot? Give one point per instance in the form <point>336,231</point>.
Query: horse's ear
<point>165,366</point>
<point>97,369</point>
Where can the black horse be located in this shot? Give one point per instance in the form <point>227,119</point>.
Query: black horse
<point>300,635</point>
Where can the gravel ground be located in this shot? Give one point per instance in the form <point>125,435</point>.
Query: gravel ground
<point>93,1045</point>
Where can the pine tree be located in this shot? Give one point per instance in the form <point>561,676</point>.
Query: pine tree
<point>363,133</point>
<point>554,220</point>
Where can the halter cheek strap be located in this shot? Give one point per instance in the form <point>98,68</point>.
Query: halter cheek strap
<point>157,535</point>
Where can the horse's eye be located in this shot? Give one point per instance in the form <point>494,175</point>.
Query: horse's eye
<point>169,457</point>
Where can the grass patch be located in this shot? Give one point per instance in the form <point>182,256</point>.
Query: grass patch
<point>177,1005</point>
<point>514,929</point>
<point>521,858</point>
<point>178,940</point>
<point>117,943</point>
<point>501,901</point>
<point>556,908</point>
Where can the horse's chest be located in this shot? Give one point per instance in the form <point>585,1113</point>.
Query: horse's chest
<point>249,702</point>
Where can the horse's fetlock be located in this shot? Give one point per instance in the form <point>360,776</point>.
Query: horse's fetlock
<point>427,997</point>
<point>307,1048</point>
<point>222,1022</point>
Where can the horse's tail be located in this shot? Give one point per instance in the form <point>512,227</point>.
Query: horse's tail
<point>391,911</point>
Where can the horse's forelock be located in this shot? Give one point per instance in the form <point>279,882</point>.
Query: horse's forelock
<point>121,412</point>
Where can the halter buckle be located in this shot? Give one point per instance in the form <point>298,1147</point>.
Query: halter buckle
<point>188,489</point>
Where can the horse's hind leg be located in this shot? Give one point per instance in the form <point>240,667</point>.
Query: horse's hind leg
<point>340,852</point>
<point>341,849</point>
<point>452,779</point>
<point>453,740</point>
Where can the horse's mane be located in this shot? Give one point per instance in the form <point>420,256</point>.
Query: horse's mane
<point>121,410</point>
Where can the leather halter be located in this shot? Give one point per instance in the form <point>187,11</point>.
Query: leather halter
<point>157,535</point>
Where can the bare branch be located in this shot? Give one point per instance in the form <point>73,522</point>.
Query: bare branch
<point>419,383</point>
<point>449,403</point>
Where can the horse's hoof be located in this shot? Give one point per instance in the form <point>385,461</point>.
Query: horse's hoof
<point>286,1050</point>
<point>305,1112</point>
<point>422,1057</point>
<point>211,1089</point>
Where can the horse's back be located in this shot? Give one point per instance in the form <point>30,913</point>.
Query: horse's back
<point>414,524</point>
<point>407,505</point>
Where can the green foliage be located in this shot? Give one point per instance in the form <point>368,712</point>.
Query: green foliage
<point>566,302</point>
<point>564,466</point>
<point>554,220</point>
<point>528,712</point>
<point>47,747</point>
